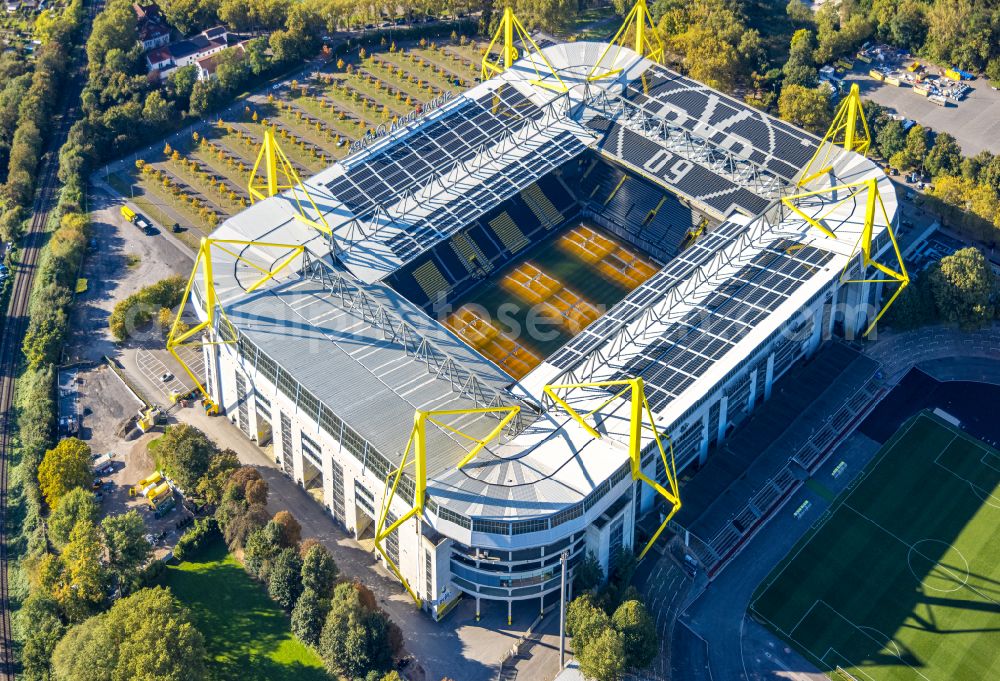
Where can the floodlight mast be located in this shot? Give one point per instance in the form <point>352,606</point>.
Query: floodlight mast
<point>633,389</point>
<point>843,132</point>
<point>646,41</point>
<point>850,131</point>
<point>416,453</point>
<point>181,336</point>
<point>280,175</point>
<point>508,32</point>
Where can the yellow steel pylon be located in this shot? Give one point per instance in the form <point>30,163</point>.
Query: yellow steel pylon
<point>873,202</point>
<point>845,132</point>
<point>510,30</point>
<point>644,40</point>
<point>639,407</point>
<point>180,337</point>
<point>417,447</point>
<point>280,175</point>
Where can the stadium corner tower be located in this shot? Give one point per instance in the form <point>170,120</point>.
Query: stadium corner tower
<point>446,354</point>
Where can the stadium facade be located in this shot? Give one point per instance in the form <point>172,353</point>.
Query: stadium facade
<point>330,361</point>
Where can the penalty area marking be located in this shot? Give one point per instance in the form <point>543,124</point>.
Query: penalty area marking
<point>952,573</point>
<point>864,631</point>
<point>982,494</point>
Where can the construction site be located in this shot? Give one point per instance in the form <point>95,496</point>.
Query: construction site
<point>495,339</point>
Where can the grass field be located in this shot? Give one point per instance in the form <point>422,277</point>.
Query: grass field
<point>900,580</point>
<point>246,634</point>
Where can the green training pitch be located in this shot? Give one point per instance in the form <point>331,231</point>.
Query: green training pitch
<point>900,579</point>
<point>248,637</point>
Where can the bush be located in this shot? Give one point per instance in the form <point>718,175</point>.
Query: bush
<point>136,310</point>
<point>201,534</point>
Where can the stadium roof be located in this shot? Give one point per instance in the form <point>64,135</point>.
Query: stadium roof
<point>683,330</point>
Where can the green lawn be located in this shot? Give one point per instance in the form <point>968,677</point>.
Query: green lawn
<point>246,634</point>
<point>900,581</point>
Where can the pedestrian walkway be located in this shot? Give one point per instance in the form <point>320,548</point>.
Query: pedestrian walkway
<point>898,352</point>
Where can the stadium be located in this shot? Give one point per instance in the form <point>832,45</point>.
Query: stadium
<point>505,330</point>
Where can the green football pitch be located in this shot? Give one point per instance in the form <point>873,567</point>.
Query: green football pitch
<point>900,579</point>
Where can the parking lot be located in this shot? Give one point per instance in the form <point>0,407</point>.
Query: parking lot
<point>106,410</point>
<point>974,122</point>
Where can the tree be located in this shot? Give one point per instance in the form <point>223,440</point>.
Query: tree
<point>914,307</point>
<point>993,71</point>
<point>205,96</point>
<point>809,108</point>
<point>799,68</point>
<point>319,571</point>
<point>914,152</point>
<point>958,32</point>
<point>964,288</point>
<point>945,157</point>
<point>308,616</point>
<point>80,587</point>
<point>548,15</point>
<point>181,82</point>
<point>212,485</point>
<point>189,16</point>
<point>604,657</point>
<point>64,467</point>
<point>285,582</point>
<point>77,504</point>
<point>717,47</point>
<point>39,619</point>
<point>589,574</point>
<point>148,635</point>
<point>908,24</point>
<point>184,453</point>
<point>157,111</point>
<point>128,550</point>
<point>838,33</point>
<point>261,548</point>
<point>585,621</point>
<point>638,633</point>
<point>291,530</point>
<point>357,637</point>
<point>799,12</point>
<point>891,139</point>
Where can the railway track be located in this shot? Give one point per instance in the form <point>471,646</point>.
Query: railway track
<point>15,325</point>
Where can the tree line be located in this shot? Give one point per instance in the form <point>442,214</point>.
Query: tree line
<point>27,106</point>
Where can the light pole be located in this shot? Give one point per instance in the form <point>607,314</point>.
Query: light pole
<point>562,613</point>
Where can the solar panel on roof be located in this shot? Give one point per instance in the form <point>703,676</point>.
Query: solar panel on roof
<point>385,175</point>
<point>688,348</point>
